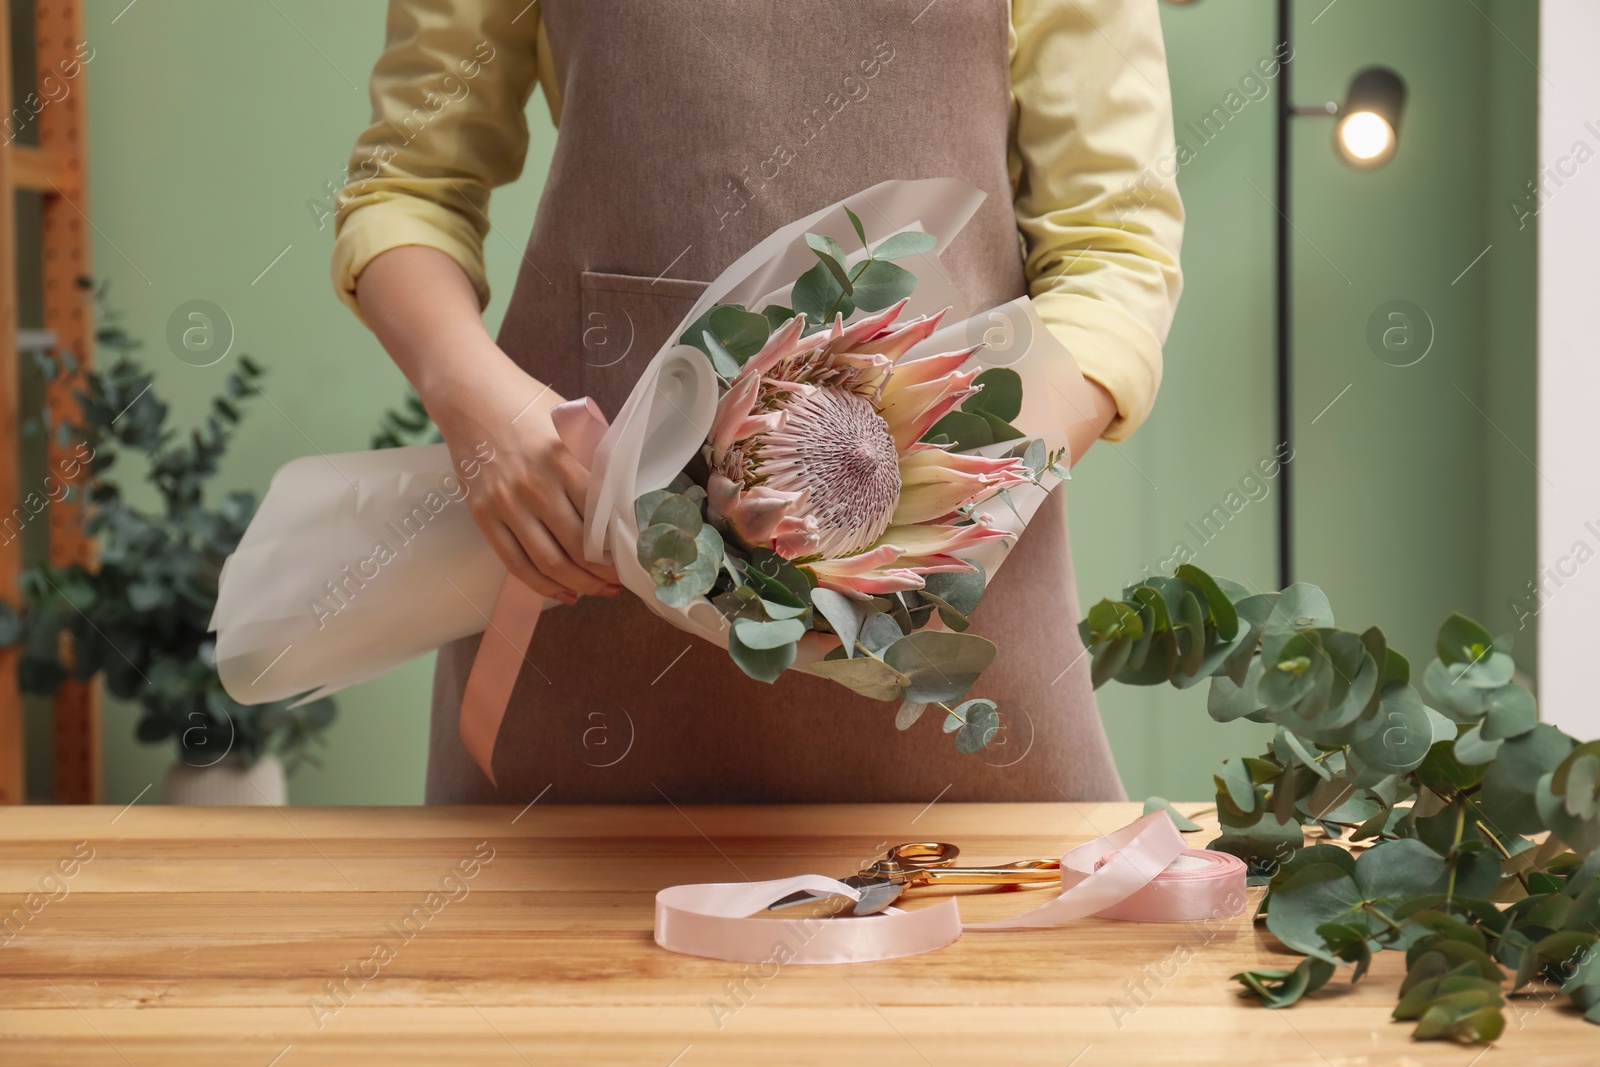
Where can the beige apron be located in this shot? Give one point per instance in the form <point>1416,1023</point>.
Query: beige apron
<point>690,131</point>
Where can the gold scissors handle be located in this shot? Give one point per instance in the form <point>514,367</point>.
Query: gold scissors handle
<point>933,863</point>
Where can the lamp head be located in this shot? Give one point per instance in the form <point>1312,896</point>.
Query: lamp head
<point>1368,130</point>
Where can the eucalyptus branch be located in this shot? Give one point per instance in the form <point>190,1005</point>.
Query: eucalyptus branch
<point>1462,730</point>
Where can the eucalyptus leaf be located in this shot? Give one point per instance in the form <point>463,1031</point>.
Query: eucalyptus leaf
<point>939,666</point>
<point>903,244</point>
<point>722,361</point>
<point>819,296</point>
<point>1403,741</point>
<point>1463,641</point>
<point>879,283</point>
<point>1035,457</point>
<point>976,723</point>
<point>762,664</point>
<point>1292,674</point>
<point>1153,804</point>
<point>870,677</point>
<point>768,635</point>
<point>1462,702</point>
<point>1263,846</point>
<point>879,631</point>
<point>646,506</point>
<point>665,543</point>
<point>782,611</point>
<point>677,511</point>
<point>1109,620</point>
<point>1279,988</point>
<point>776,315</point>
<point>855,224</point>
<point>948,615</point>
<point>1227,702</point>
<point>999,394</point>
<point>1108,659</point>
<point>1472,748</point>
<point>842,614</point>
<point>1394,870</point>
<point>832,257</point>
<point>1511,713</point>
<point>961,590</point>
<point>964,431</point>
<point>1236,781</point>
<point>1441,772</point>
<point>910,711</point>
<point>1310,897</point>
<point>1219,609</point>
<point>1300,607</point>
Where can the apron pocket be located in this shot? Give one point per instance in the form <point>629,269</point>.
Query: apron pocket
<point>625,318</point>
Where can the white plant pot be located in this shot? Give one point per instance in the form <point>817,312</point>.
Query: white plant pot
<point>226,783</point>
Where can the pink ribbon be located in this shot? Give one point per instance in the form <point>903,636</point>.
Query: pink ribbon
<point>1140,873</point>
<point>580,425</point>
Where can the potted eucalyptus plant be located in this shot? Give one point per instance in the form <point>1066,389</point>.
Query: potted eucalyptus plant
<point>139,614</point>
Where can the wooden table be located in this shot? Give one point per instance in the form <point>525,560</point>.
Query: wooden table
<point>280,938</point>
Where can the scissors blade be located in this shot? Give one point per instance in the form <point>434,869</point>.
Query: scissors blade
<point>877,893</point>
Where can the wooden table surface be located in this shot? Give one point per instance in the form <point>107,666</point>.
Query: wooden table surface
<point>277,938</point>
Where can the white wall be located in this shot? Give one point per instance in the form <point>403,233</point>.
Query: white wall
<point>1568,217</point>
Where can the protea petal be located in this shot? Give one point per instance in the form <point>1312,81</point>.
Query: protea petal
<point>765,423</point>
<point>797,537</point>
<point>860,563</point>
<point>933,497</point>
<point>923,539</point>
<point>721,494</point>
<point>934,564</point>
<point>923,455</point>
<point>785,343</point>
<point>755,515</point>
<point>732,410</point>
<point>849,338</point>
<point>872,364</point>
<point>924,369</point>
<point>895,581</point>
<point>910,412</point>
<point>900,341</point>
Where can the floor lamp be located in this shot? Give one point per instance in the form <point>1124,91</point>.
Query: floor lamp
<point>1365,135</point>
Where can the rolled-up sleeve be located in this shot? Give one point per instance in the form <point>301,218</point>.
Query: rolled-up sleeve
<point>448,125</point>
<point>1096,198</point>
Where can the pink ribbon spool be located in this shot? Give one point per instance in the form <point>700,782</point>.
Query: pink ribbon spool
<point>1199,884</point>
<point>1139,873</point>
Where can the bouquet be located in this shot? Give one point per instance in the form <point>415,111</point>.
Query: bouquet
<point>821,472</point>
<point>840,492</point>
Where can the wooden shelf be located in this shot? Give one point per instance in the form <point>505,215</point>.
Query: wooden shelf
<point>56,170</point>
<point>42,170</point>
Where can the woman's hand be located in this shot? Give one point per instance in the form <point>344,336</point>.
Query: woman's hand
<point>528,495</point>
<point>529,492</point>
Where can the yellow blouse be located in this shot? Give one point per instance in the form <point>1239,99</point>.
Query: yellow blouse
<point>1092,163</point>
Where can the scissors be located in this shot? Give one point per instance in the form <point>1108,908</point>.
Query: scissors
<point>915,863</point>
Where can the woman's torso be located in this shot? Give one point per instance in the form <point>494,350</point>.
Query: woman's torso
<point>690,132</point>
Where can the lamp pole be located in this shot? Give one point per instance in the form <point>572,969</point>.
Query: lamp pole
<point>1376,93</point>
<point>1285,420</point>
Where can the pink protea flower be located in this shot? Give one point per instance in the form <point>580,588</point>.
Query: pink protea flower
<point>814,454</point>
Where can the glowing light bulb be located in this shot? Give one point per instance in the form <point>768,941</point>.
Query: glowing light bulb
<point>1365,136</point>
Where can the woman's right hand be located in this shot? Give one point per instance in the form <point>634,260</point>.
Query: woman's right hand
<point>529,490</point>
<point>528,494</point>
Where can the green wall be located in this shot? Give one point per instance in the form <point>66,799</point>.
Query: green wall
<point>216,128</point>
<point>1409,503</point>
